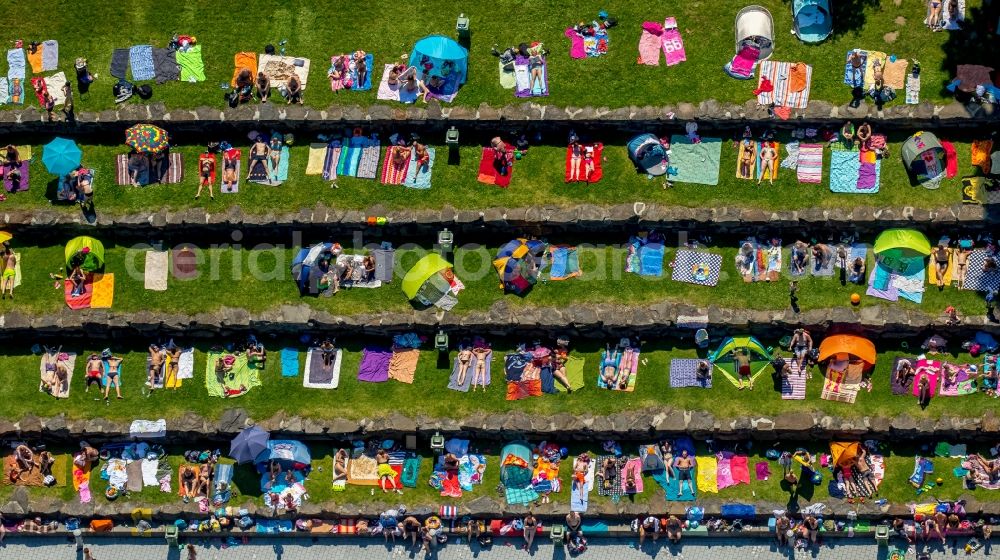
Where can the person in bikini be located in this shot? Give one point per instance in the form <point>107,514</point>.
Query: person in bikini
<point>747,158</point>
<point>768,155</point>
<point>274,154</point>
<point>421,156</point>
<point>336,71</point>
<point>258,156</point>
<point>576,156</point>
<point>112,365</point>
<point>230,161</point>
<point>684,464</point>
<point>961,264</point>
<point>400,156</point>
<point>394,72</point>
<point>536,65</point>
<point>559,358</point>
<point>608,472</point>
<point>205,172</point>
<point>361,68</point>
<point>942,258</point>
<point>340,465</point>
<point>174,352</point>
<point>482,354</point>
<point>329,352</point>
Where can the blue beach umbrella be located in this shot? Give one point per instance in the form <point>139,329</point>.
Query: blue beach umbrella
<point>61,156</point>
<point>248,444</point>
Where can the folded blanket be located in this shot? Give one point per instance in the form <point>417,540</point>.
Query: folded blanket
<point>331,160</point>
<point>368,161</point>
<point>141,61</point>
<point>192,68</point>
<point>894,74</point>
<point>809,167</point>
<point>54,84</point>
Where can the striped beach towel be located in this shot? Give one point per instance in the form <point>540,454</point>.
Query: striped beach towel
<point>331,160</point>
<point>809,166</point>
<point>393,174</point>
<point>368,163</point>
<point>794,386</point>
<point>350,155</point>
<point>780,74</point>
<point>842,386</point>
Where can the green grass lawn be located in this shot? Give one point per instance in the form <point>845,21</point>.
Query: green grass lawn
<point>246,482</point>
<point>707,29</point>
<point>537,179</point>
<point>265,284</point>
<point>355,399</point>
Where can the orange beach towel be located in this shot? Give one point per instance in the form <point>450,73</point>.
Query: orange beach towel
<point>243,60</point>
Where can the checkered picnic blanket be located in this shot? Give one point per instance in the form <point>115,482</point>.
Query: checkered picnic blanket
<point>684,373</point>
<point>521,496</point>
<point>686,261</point>
<point>615,489</point>
<point>975,278</point>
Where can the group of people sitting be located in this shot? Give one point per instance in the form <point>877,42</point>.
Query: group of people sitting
<point>55,371</point>
<point>423,87</point>
<point>27,460</point>
<point>879,91</point>
<point>542,357</point>
<point>822,254</point>
<point>650,525</point>
<point>247,86</point>
<point>146,168</point>
<point>336,270</point>
<point>349,70</point>
<point>196,481</point>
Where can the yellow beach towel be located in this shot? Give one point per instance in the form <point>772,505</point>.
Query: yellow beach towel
<point>103,294</point>
<point>171,381</point>
<point>317,156</point>
<point>932,270</point>
<point>708,468</point>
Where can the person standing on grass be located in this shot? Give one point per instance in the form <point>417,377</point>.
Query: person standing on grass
<point>67,91</point>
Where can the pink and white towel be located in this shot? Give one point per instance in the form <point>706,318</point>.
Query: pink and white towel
<point>809,166</point>
<point>673,44</point>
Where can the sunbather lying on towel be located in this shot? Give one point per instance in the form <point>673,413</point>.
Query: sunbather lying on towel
<point>800,256</point>
<point>607,473</point>
<point>684,465</point>
<point>54,380</point>
<point>112,369</point>
<point>609,368</point>
<point>904,373</point>
<point>157,356</point>
<point>258,156</point>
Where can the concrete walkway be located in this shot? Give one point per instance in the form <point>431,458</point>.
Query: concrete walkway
<point>369,549</point>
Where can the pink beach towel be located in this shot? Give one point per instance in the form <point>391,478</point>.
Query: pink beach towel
<point>724,472</point>
<point>740,469</point>
<point>744,60</point>
<point>930,368</point>
<point>673,44</point>
<point>632,468</point>
<point>576,49</point>
<point>649,44</point>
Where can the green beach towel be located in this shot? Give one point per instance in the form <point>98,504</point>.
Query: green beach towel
<point>192,67</point>
<point>237,382</point>
<point>574,372</point>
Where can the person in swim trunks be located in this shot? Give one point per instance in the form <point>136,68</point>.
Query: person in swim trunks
<point>258,156</point>
<point>684,464</point>
<point>741,358</point>
<point>112,364</point>
<point>9,272</point>
<point>801,345</point>
<point>942,258</point>
<point>95,371</point>
<point>230,161</point>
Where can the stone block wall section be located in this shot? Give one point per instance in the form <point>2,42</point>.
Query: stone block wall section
<point>45,223</point>
<point>711,113</point>
<point>598,322</point>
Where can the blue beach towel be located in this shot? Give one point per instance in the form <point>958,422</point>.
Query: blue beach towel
<point>16,64</point>
<point>844,169</point>
<point>350,156</point>
<point>141,60</point>
<point>289,362</point>
<point>577,502</point>
<point>369,61</point>
<point>281,174</point>
<point>423,179</point>
<point>651,259</point>
<point>683,443</point>
<point>671,488</point>
<point>735,511</point>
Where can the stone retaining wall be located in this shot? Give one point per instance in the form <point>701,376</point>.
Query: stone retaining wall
<point>433,117</point>
<point>577,219</point>
<point>600,321</point>
<point>628,425</point>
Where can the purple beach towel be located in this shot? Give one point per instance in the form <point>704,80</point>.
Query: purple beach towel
<point>374,366</point>
<point>867,177</point>
<point>8,184</point>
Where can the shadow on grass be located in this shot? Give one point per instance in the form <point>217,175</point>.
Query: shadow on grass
<point>976,43</point>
